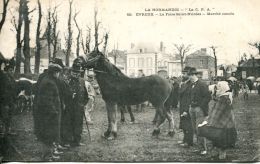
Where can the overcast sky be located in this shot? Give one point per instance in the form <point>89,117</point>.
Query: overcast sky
<point>230,33</point>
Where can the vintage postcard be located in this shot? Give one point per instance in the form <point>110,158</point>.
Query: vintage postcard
<point>129,81</point>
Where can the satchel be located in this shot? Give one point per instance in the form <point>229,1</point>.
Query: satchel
<point>221,137</point>
<point>211,133</point>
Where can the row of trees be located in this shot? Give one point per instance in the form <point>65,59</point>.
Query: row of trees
<point>21,23</point>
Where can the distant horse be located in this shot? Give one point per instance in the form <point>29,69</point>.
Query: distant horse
<point>25,92</point>
<point>117,88</point>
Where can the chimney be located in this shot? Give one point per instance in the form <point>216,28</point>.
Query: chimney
<point>161,46</point>
<point>132,45</point>
<point>203,50</point>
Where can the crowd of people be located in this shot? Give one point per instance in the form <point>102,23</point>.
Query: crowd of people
<point>207,116</point>
<point>64,97</point>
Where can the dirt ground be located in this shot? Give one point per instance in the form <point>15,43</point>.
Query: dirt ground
<point>134,142</point>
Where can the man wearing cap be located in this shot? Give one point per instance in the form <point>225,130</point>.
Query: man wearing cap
<point>48,110</point>
<point>200,98</point>
<point>185,120</point>
<point>79,100</point>
<point>8,95</point>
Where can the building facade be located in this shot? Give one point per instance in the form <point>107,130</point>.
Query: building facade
<point>250,67</point>
<point>203,62</point>
<point>144,61</point>
<point>151,60</point>
<point>174,68</point>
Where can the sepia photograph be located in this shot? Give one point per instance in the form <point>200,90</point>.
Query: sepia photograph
<point>129,81</point>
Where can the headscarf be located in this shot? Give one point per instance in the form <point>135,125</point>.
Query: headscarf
<point>223,89</point>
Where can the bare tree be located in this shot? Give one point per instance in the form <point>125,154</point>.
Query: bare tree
<point>18,28</point>
<point>38,44</point>
<point>256,45</point>
<point>79,34</point>
<point>69,36</point>
<point>5,4</point>
<point>216,61</point>
<point>86,46</point>
<point>105,44</point>
<point>97,43</point>
<point>182,51</point>
<point>26,47</point>
<point>49,33</point>
<point>55,33</point>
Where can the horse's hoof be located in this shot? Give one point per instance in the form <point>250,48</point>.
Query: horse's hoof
<point>156,132</point>
<point>106,134</point>
<point>133,122</point>
<point>114,134</point>
<point>171,133</point>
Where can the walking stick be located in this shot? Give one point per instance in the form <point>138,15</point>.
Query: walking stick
<point>87,126</point>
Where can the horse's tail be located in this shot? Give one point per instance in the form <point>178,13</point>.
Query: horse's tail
<point>172,99</point>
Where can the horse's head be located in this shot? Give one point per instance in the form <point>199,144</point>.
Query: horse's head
<point>81,61</point>
<point>93,58</point>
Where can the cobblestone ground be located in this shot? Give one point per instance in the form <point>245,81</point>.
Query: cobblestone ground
<point>134,142</point>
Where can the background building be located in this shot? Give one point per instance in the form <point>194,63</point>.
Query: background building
<point>203,62</point>
<point>250,67</point>
<point>151,59</point>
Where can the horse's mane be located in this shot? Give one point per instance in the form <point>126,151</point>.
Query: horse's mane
<point>111,68</point>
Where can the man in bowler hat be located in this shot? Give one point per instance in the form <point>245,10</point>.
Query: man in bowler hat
<point>200,98</point>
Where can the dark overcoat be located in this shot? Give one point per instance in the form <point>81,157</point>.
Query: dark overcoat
<point>48,110</point>
<point>200,96</point>
<point>79,100</point>
<point>185,99</point>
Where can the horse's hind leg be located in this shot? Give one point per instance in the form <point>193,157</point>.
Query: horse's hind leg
<point>156,117</point>
<point>170,119</point>
<point>129,109</point>
<point>121,108</point>
<point>162,117</point>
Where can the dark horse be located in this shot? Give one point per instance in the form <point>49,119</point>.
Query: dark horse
<point>118,89</point>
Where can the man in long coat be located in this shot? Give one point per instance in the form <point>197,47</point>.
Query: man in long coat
<point>48,109</point>
<point>185,120</point>
<point>79,100</point>
<point>200,98</point>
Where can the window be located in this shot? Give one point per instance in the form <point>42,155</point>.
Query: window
<point>149,62</point>
<point>165,63</point>
<point>131,62</point>
<point>140,62</point>
<point>159,63</point>
<point>201,63</point>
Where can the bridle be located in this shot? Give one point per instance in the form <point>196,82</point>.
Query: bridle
<point>95,65</point>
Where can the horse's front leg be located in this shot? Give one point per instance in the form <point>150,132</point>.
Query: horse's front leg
<point>112,111</point>
<point>109,127</point>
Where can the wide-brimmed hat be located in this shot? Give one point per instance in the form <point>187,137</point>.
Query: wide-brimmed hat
<point>186,69</point>
<point>54,67</point>
<point>193,71</point>
<point>76,67</point>
<point>57,61</point>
